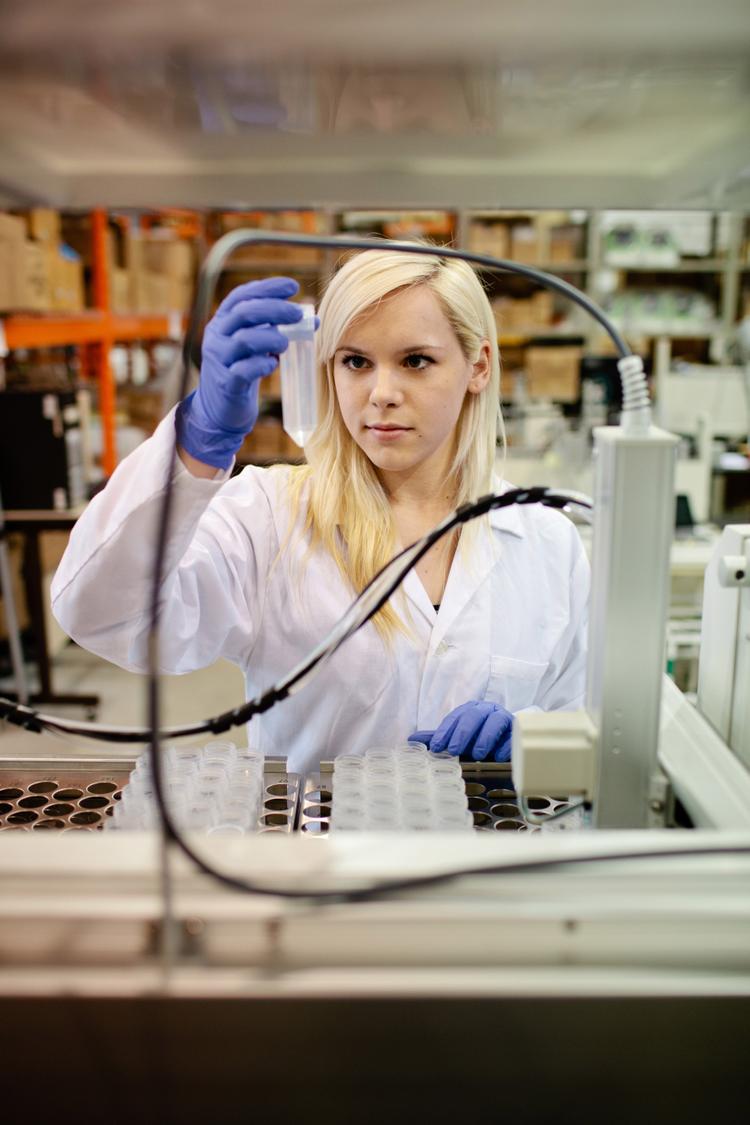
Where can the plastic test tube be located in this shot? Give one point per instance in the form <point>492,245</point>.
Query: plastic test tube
<point>299,389</point>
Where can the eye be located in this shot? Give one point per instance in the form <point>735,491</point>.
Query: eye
<point>354,362</point>
<point>415,361</point>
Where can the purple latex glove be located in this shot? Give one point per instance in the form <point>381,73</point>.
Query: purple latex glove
<point>475,731</point>
<point>241,344</point>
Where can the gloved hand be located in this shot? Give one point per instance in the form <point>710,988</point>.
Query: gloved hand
<point>241,344</point>
<point>476,731</point>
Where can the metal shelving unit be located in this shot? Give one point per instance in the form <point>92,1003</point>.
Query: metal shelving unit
<point>94,330</point>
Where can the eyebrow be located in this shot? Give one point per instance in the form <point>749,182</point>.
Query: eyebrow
<point>402,351</point>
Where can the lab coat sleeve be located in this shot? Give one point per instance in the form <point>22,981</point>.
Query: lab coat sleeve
<point>563,687</point>
<point>221,545</point>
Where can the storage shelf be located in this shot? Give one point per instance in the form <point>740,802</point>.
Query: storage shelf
<point>575,265</point>
<point>142,327</point>
<point>514,339</point>
<point>652,332</point>
<point>700,265</point>
<point>53,330</point>
<point>97,328</point>
<point>90,327</point>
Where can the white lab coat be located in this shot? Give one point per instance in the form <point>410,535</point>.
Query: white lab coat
<point>511,627</point>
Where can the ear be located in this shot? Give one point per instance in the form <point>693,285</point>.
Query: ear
<point>482,369</point>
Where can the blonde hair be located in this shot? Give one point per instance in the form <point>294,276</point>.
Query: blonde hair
<point>348,512</point>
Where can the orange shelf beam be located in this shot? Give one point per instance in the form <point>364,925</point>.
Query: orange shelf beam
<point>134,327</point>
<point>49,331</point>
<point>63,330</point>
<point>105,375</point>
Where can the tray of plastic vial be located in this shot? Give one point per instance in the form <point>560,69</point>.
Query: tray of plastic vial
<point>217,788</point>
<point>408,788</point>
<point>212,788</point>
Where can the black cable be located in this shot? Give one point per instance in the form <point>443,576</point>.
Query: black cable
<point>32,720</point>
<point>434,879</point>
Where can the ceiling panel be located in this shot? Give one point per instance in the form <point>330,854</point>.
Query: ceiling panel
<point>352,103</point>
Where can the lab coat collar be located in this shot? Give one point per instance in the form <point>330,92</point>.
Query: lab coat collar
<point>465,577</point>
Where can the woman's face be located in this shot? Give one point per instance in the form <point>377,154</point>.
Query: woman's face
<point>401,379</point>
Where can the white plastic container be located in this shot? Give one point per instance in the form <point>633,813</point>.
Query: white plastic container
<point>299,378</point>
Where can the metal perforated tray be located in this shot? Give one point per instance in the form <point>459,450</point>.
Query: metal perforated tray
<point>38,794</point>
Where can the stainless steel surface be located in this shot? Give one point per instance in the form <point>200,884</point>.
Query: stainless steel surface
<point>489,789</point>
<point>60,793</point>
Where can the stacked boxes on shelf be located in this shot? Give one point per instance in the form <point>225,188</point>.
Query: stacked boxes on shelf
<point>39,272</point>
<point>553,372</point>
<point>524,315</point>
<point>150,273</point>
<point>489,238</point>
<point>292,222</point>
<point>552,237</point>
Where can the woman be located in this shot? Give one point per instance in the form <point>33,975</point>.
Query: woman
<point>261,566</point>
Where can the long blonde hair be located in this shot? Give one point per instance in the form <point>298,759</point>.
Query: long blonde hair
<point>348,512</point>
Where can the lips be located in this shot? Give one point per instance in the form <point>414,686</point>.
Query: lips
<point>382,428</point>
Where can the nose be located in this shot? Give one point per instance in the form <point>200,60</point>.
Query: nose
<point>385,390</point>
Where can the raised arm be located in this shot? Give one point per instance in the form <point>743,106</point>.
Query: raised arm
<point>222,537</point>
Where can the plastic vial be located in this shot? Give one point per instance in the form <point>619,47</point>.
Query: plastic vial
<point>299,389</point>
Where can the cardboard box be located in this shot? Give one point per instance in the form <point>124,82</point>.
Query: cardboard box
<point>12,261</point>
<point>44,224</point>
<point>283,255</point>
<point>524,316</point>
<point>512,315</point>
<point>150,292</point>
<point>52,546</point>
<point>12,265</point>
<point>525,243</point>
<point>554,373</point>
<point>35,278</point>
<point>542,309</point>
<point>489,238</point>
<point>179,294</point>
<point>26,277</point>
<point>132,252</point>
<point>11,228</point>
<point>120,291</point>
<point>15,543</point>
<point>565,244</point>
<point>68,292</point>
<point>169,256</point>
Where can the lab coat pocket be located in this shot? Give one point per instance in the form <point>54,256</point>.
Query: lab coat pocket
<point>514,683</point>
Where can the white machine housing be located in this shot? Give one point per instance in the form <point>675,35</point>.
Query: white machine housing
<point>632,536</point>
<point>724,672</point>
